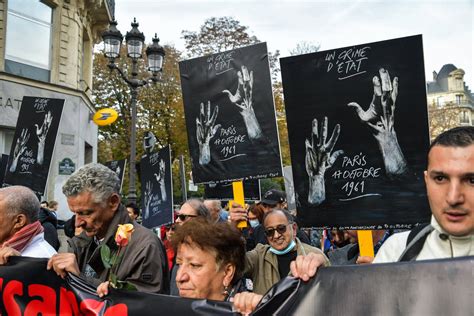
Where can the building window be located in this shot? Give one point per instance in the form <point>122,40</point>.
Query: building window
<point>465,117</point>
<point>28,39</point>
<point>440,102</point>
<point>88,153</point>
<point>6,140</point>
<point>458,99</point>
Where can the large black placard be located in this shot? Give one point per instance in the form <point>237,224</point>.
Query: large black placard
<point>117,166</point>
<point>230,116</point>
<point>33,143</point>
<point>358,131</point>
<point>225,192</point>
<point>157,188</point>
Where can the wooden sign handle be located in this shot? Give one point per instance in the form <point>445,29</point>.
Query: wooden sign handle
<point>238,190</point>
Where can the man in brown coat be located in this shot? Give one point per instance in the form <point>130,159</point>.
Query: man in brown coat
<point>93,195</point>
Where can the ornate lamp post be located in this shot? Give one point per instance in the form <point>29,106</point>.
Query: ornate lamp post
<point>155,56</point>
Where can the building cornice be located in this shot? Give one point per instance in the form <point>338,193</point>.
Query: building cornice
<point>48,86</point>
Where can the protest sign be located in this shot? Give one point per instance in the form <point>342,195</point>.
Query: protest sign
<point>358,129</point>
<point>3,167</point>
<point>157,188</point>
<point>230,116</point>
<point>223,191</point>
<point>118,166</point>
<point>33,143</point>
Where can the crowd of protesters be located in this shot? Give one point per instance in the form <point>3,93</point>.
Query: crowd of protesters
<point>204,255</point>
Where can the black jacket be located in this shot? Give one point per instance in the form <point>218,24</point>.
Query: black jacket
<point>50,224</point>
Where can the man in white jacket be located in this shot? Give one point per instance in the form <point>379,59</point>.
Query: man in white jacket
<point>21,234</point>
<point>449,182</point>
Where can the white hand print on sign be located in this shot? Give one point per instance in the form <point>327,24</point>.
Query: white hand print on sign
<point>380,116</point>
<point>243,99</point>
<point>319,159</point>
<point>42,132</point>
<point>205,130</point>
<point>20,148</point>
<point>148,194</point>
<point>160,177</point>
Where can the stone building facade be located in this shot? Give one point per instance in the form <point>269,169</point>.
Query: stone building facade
<point>450,102</point>
<point>46,50</point>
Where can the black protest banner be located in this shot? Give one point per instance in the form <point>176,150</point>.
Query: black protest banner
<point>3,167</point>
<point>27,288</point>
<point>157,188</point>
<point>117,166</point>
<point>358,128</point>
<point>33,143</point>
<point>433,287</point>
<point>225,192</point>
<point>230,116</point>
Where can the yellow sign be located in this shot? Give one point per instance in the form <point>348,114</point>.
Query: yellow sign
<point>238,189</point>
<point>105,116</point>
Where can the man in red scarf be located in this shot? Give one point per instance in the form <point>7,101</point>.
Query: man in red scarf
<point>20,231</point>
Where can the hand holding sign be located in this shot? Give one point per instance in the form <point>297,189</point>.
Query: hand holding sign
<point>380,116</point>
<point>205,130</point>
<point>243,99</point>
<point>319,158</point>
<point>20,148</point>
<point>41,133</point>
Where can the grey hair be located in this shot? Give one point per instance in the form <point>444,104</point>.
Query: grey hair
<point>20,200</point>
<point>215,204</point>
<point>95,178</point>
<point>199,207</point>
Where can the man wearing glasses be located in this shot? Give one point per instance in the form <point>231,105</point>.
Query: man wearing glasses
<point>272,200</point>
<point>267,264</point>
<point>190,209</point>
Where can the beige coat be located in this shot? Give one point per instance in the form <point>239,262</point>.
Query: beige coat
<point>261,265</point>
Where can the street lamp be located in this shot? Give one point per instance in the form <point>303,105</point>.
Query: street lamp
<point>155,56</point>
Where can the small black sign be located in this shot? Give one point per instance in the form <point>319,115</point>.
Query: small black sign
<point>33,143</point>
<point>157,188</point>
<point>225,192</point>
<point>118,166</point>
<point>3,167</point>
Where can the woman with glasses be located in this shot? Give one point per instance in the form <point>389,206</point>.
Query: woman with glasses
<point>267,264</point>
<point>211,258</point>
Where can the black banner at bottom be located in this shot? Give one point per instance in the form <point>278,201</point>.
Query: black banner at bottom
<point>438,287</point>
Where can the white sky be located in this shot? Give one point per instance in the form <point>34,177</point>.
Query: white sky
<point>447,26</point>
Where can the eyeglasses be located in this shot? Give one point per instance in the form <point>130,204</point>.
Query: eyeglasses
<point>281,229</point>
<point>183,217</point>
